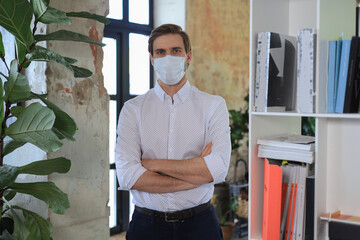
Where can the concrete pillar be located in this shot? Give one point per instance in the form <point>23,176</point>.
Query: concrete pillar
<point>86,100</point>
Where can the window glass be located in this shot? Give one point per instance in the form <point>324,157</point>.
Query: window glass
<point>112,198</point>
<point>139,64</point>
<point>115,9</point>
<point>109,65</point>
<point>112,131</point>
<point>139,11</point>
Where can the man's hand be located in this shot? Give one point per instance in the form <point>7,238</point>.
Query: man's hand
<point>193,170</point>
<point>150,164</point>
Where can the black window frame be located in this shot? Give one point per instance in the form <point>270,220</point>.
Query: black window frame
<point>120,30</point>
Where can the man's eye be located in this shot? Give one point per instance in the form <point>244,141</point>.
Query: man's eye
<point>177,51</point>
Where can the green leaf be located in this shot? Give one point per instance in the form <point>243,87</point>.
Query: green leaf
<point>96,17</point>
<point>20,231</point>
<point>17,87</point>
<point>43,54</point>
<point>34,126</point>
<point>70,60</point>
<point>46,14</point>
<point>11,146</point>
<point>15,16</point>
<point>2,50</point>
<point>21,50</point>
<point>39,7</point>
<point>45,191</point>
<point>65,126</point>
<point>8,175</point>
<point>81,72</point>
<point>16,110</point>
<point>64,35</point>
<point>40,228</point>
<point>1,104</point>
<point>9,194</point>
<point>53,15</point>
<point>46,167</point>
<point>33,96</point>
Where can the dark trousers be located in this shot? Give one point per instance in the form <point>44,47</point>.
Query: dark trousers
<point>203,226</point>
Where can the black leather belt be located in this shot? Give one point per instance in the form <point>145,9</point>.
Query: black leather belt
<point>174,216</point>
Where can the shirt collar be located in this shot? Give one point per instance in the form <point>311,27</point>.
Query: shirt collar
<point>183,93</point>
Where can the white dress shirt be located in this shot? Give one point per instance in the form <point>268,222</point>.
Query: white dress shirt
<point>152,127</point>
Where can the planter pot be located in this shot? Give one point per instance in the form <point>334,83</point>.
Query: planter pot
<point>227,230</point>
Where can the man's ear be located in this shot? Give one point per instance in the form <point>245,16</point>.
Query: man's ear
<point>189,57</point>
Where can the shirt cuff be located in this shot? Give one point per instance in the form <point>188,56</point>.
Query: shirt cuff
<point>216,167</point>
<point>132,175</point>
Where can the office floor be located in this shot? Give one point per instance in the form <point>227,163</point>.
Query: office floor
<point>120,236</point>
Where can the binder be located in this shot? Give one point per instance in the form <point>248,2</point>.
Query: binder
<point>310,208</point>
<point>331,97</point>
<point>306,71</point>
<point>275,74</point>
<point>344,63</point>
<point>271,201</point>
<point>352,97</point>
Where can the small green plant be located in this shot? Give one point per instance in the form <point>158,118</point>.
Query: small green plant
<point>224,211</point>
<point>239,124</point>
<point>308,126</point>
<point>43,125</point>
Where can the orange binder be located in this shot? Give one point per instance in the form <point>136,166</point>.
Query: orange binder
<point>288,219</point>
<point>271,201</point>
<point>283,197</point>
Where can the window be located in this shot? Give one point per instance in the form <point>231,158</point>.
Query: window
<point>125,53</point>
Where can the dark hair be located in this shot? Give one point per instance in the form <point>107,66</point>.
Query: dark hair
<point>168,29</point>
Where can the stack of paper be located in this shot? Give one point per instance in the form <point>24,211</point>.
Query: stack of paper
<point>289,147</point>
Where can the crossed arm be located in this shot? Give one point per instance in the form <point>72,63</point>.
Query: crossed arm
<point>165,175</point>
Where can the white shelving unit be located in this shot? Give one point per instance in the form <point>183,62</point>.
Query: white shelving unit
<point>337,154</point>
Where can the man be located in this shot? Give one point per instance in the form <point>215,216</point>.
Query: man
<point>173,146</point>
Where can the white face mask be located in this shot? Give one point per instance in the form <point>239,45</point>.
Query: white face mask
<point>170,69</point>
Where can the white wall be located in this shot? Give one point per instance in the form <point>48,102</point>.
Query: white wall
<point>169,11</point>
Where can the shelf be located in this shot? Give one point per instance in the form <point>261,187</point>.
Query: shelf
<point>316,115</point>
<point>338,217</point>
<point>336,165</point>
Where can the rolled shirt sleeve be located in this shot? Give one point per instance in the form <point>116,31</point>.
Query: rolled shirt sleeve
<point>219,134</point>
<point>128,149</point>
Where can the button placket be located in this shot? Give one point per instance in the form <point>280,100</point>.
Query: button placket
<point>171,137</point>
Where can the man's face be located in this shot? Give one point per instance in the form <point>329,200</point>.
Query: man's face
<point>169,44</point>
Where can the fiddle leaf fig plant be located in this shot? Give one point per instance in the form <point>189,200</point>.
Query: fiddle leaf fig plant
<point>41,123</point>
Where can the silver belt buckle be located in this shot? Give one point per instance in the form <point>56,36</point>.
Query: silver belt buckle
<point>167,220</point>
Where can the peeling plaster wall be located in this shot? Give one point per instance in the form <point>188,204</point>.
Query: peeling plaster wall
<point>219,33</point>
<point>86,100</point>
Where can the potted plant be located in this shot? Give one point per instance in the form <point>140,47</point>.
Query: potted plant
<point>223,213</point>
<point>43,125</point>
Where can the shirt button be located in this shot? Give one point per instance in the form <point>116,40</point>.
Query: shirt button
<point>170,150</point>
<point>172,111</point>
<point>171,130</point>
